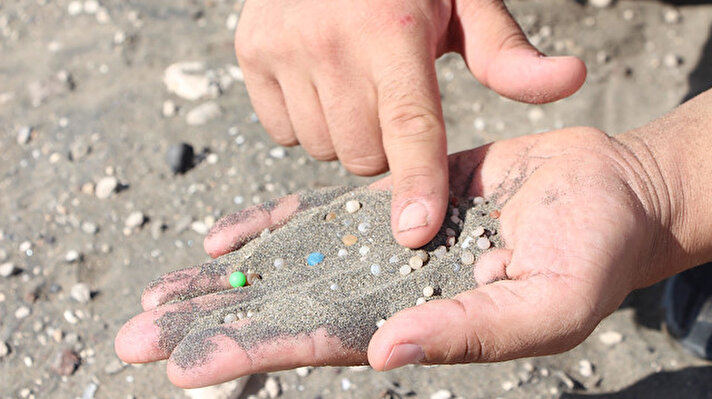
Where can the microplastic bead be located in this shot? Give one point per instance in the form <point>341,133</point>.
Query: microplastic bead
<point>364,250</point>
<point>405,269</point>
<point>230,317</point>
<point>238,279</point>
<point>420,301</point>
<point>375,269</point>
<point>315,258</point>
<point>342,252</point>
<point>467,258</point>
<point>352,206</point>
<point>483,243</point>
<point>278,263</point>
<point>428,291</point>
<point>478,231</point>
<point>478,200</point>
<point>415,262</point>
<point>380,323</point>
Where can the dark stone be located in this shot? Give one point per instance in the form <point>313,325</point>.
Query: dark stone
<point>180,157</point>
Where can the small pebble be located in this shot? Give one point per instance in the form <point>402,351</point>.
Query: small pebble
<point>450,232</point>
<point>203,113</point>
<point>65,362</point>
<point>349,240</point>
<point>272,387</point>
<point>180,157</point>
<point>22,312</point>
<point>278,152</point>
<point>4,349</point>
<point>483,243</point>
<point>315,258</point>
<point>303,371</point>
<point>330,216</point>
<point>106,186</point>
<point>415,262</point>
<point>450,241</point>
<point>352,206</point>
<point>80,292</point>
<point>672,60</point>
<point>24,135</point>
<point>456,267</point>
<point>8,269</point>
<point>611,338</point>
<point>467,258</point>
<point>478,201</point>
<point>342,253</point>
<point>428,291</point>
<point>375,269</point>
<point>600,3</point>
<point>478,231</point>
<point>672,16</point>
<point>420,301</point>
<point>72,256</point>
<point>279,263</point>
<point>442,394</point>
<point>334,287</point>
<point>467,242</point>
<point>363,251</point>
<point>364,227</point>
<point>405,269</point>
<point>495,214</point>
<point>585,368</point>
<point>380,323</point>
<point>135,219</point>
<point>230,318</point>
<point>90,228</point>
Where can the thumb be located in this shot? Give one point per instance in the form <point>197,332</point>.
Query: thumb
<point>500,56</point>
<point>504,320</point>
<point>415,144</point>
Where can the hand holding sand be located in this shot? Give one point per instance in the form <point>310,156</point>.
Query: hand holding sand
<point>579,228</point>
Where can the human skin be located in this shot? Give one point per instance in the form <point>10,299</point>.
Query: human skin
<point>355,80</point>
<point>585,219</point>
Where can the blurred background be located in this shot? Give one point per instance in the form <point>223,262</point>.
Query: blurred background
<point>96,98</point>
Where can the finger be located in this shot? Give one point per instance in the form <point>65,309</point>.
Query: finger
<point>228,359</point>
<point>233,231</point>
<point>352,118</point>
<point>307,118</point>
<point>501,57</point>
<point>152,335</point>
<point>504,320</point>
<point>414,140</point>
<point>187,283</point>
<point>269,105</point>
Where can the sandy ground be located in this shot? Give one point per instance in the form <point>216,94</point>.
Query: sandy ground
<point>88,84</point>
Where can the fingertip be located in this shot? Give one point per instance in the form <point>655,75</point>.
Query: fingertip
<point>416,221</point>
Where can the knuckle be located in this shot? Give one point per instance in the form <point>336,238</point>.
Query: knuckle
<point>322,153</point>
<point>366,165</point>
<point>412,123</point>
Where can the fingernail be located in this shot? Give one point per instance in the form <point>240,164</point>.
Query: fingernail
<point>403,354</point>
<point>413,216</point>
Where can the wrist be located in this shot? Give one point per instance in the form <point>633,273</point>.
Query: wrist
<point>671,164</point>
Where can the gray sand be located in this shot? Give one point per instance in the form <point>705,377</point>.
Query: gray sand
<point>341,293</point>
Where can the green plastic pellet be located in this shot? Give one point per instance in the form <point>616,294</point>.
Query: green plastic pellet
<point>238,279</point>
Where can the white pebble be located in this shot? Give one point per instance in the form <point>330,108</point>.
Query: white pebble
<point>428,291</point>
<point>364,227</point>
<point>345,384</point>
<point>483,243</point>
<point>334,287</point>
<point>230,318</point>
<point>279,263</point>
<point>4,349</point>
<point>393,259</point>
<point>7,269</point>
<point>75,8</point>
<point>272,387</point>
<point>342,253</point>
<point>405,269</point>
<point>135,219</point>
<point>611,338</point>
<point>203,113</point>
<point>352,206</point>
<point>72,256</point>
<point>442,394</point>
<point>80,292</point>
<point>600,3</point>
<point>22,312</point>
<point>422,254</point>
<point>415,262</point>
<point>303,371</point>
<point>278,152</point>
<point>585,368</point>
<point>375,269</point>
<point>478,201</point>
<point>420,301</point>
<point>105,187</point>
<point>467,258</point>
<point>478,231</point>
<point>380,323</point>
<point>70,317</point>
<point>467,242</point>
<point>440,251</point>
<point>364,250</point>
<point>672,60</point>
<point>672,16</point>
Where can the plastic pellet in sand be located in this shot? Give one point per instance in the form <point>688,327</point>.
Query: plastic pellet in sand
<point>237,279</point>
<point>315,258</point>
<point>352,206</point>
